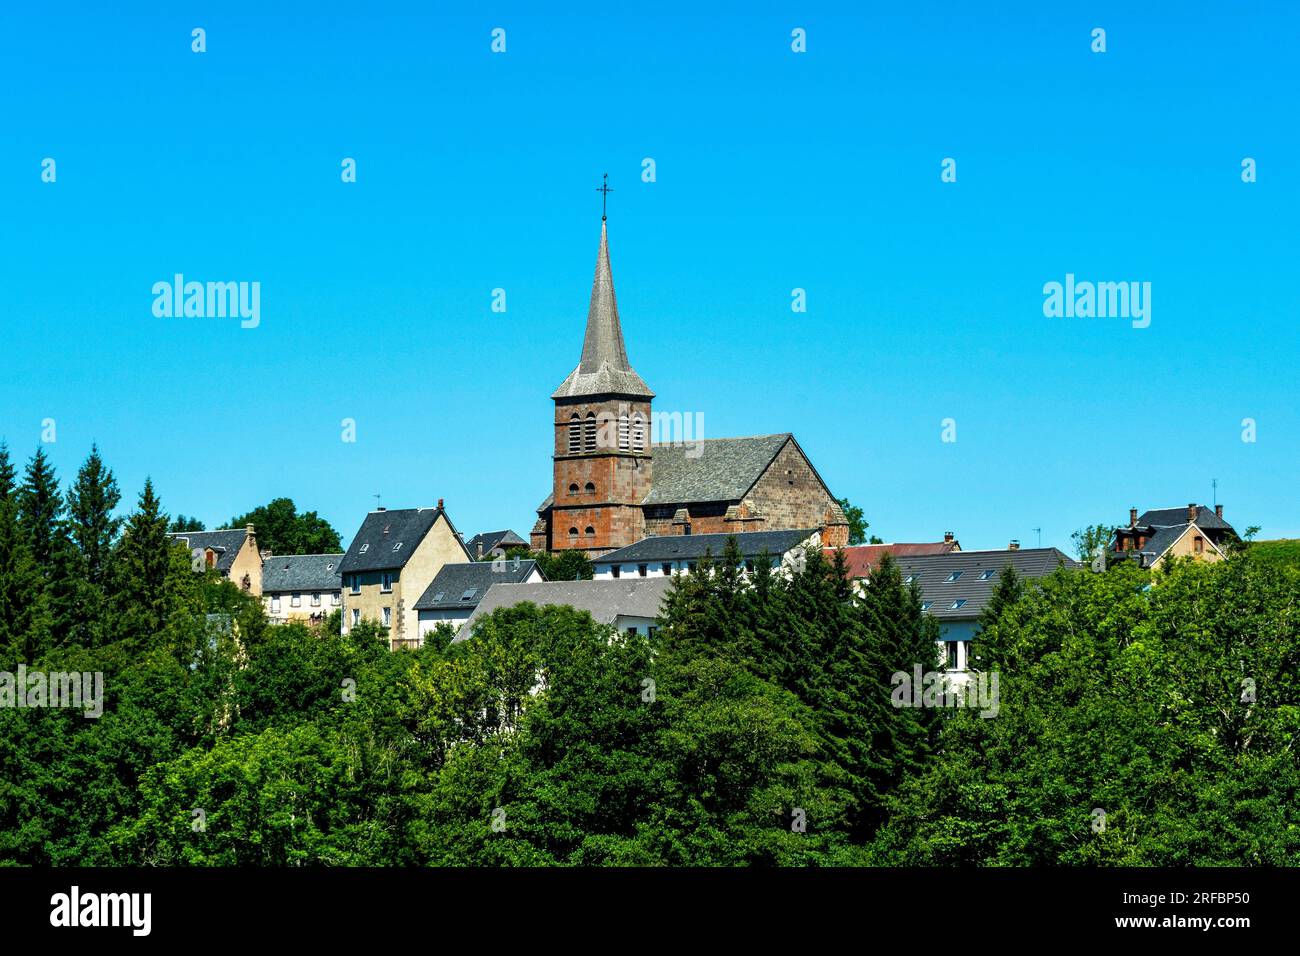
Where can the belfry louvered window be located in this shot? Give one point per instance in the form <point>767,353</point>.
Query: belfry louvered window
<point>638,433</point>
<point>622,431</point>
<point>575,434</point>
<point>589,433</point>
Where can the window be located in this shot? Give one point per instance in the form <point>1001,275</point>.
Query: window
<point>591,534</point>
<point>336,598</point>
<point>295,600</point>
<point>573,490</point>
<point>985,575</point>
<point>653,630</point>
<point>622,430</point>
<point>956,575</point>
<point>638,432</point>
<point>573,536</point>
<point>632,632</point>
<point>590,489</point>
<point>909,579</point>
<point>356,616</point>
<point>925,605</point>
<point>749,566</point>
<point>575,435</point>
<point>641,570</point>
<point>589,433</point>
<point>386,582</point>
<point>398,546</point>
<point>315,599</point>
<point>668,568</point>
<point>1199,545</point>
<point>364,548</point>
<point>355,580</point>
<point>275,604</point>
<point>437,598</point>
<point>615,570</point>
<point>691,566</point>
<point>960,602</point>
<point>468,594</point>
<point>388,616</point>
<point>951,648</point>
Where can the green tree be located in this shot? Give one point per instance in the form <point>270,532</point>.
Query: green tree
<point>182,523</point>
<point>1088,539</point>
<point>281,528</point>
<point>858,524</point>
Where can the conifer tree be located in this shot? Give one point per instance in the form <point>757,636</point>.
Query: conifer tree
<point>40,506</point>
<point>140,568</point>
<point>91,503</point>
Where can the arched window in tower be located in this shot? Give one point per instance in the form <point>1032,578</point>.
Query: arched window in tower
<point>573,490</point>
<point>638,432</point>
<point>575,434</point>
<point>589,433</point>
<point>591,488</point>
<point>591,534</point>
<point>573,536</point>
<point>622,430</point>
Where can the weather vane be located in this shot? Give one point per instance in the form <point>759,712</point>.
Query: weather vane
<point>604,191</point>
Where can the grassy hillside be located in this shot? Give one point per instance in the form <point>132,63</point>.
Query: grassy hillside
<point>1283,552</point>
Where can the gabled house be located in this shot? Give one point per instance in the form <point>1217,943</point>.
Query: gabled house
<point>1154,536</point>
<point>630,604</point>
<point>301,587</point>
<point>232,553</point>
<point>394,556</point>
<point>956,586</point>
<point>666,555</point>
<point>491,544</point>
<point>458,588</point>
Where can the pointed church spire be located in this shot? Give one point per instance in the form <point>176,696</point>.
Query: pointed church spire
<point>604,368</point>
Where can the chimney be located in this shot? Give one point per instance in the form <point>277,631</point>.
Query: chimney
<point>1132,517</point>
<point>947,537</point>
<point>1218,511</point>
<point>479,548</point>
<point>439,504</point>
<point>1191,512</point>
<point>1014,545</point>
<point>266,553</point>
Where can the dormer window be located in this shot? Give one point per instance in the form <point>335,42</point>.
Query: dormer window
<point>365,547</point>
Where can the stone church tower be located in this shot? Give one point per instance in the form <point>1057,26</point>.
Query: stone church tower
<point>602,459</point>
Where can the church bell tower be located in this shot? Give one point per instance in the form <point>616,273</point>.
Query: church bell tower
<point>602,460</point>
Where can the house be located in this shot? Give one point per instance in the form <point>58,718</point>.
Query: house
<point>301,587</point>
<point>956,587</point>
<point>394,556</point>
<point>494,544</point>
<point>613,484</point>
<point>862,559</point>
<point>665,555</point>
<point>458,588</point>
<point>232,553</point>
<point>630,604</point>
<point>1195,531</point>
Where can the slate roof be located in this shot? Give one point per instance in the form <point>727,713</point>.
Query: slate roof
<point>226,543</point>
<point>302,572</point>
<point>690,547</point>
<point>604,368</point>
<point>603,600</point>
<point>494,539</point>
<point>374,546</point>
<point>1206,519</point>
<point>932,573</point>
<point>462,586</point>
<point>862,559</point>
<point>717,469</point>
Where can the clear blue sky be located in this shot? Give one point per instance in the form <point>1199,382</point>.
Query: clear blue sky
<point>775,171</point>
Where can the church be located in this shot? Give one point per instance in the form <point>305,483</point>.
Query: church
<point>613,487</point>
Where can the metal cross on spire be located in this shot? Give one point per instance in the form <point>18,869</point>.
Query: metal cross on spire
<point>604,191</point>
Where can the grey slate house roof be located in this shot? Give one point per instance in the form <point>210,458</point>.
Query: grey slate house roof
<point>691,547</point>
<point>387,539</point>
<point>1159,528</point>
<point>1206,519</point>
<point>462,586</point>
<point>603,600</point>
<point>226,543</point>
<point>977,574</point>
<point>302,572</point>
<point>494,539</point>
<point>604,368</point>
